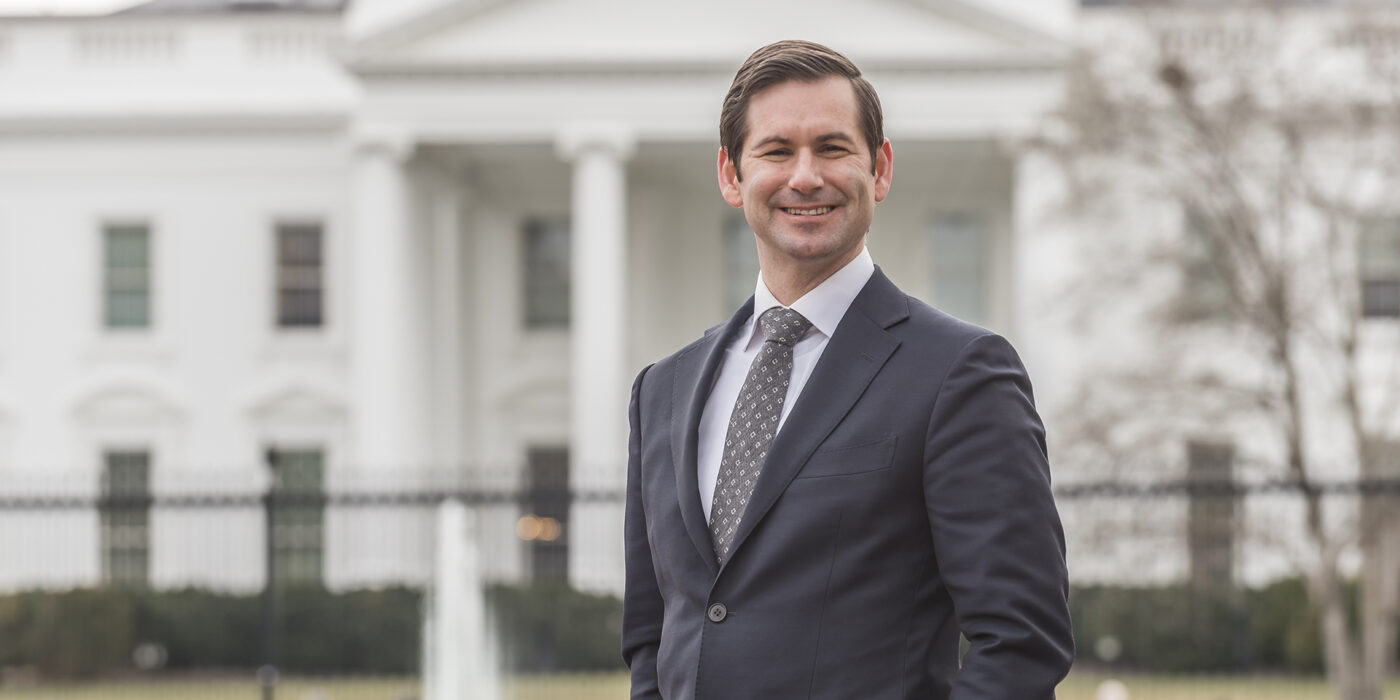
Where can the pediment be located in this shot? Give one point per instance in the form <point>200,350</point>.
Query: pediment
<point>127,395</point>
<point>293,399</point>
<point>647,35</point>
<point>535,394</point>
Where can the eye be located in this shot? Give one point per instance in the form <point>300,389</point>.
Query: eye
<point>834,148</point>
<point>779,152</point>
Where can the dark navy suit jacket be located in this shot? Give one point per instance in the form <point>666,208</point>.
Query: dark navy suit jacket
<point>906,498</point>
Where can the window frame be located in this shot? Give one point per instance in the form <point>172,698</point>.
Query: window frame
<point>982,222</point>
<point>549,498</point>
<point>533,318</point>
<point>106,231</point>
<point>1388,278</point>
<point>124,515</point>
<point>1203,295</point>
<point>1212,518</point>
<point>280,269</point>
<point>300,521</point>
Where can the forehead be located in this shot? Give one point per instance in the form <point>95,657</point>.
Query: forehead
<point>792,108</point>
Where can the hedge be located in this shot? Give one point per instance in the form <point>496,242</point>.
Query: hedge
<point>86,633</point>
<point>548,626</point>
<point>551,627</point>
<point>77,634</point>
<point>1181,629</point>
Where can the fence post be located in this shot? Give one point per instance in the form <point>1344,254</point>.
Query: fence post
<point>267,672</point>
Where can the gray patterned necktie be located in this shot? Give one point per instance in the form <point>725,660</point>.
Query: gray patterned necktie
<point>753,422</point>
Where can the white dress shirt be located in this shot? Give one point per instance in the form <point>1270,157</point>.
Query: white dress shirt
<point>824,306</point>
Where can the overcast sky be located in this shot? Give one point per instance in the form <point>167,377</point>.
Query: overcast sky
<point>61,7</point>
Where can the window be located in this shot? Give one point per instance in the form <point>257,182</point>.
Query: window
<point>1380,267</point>
<point>1380,508</point>
<point>300,275</point>
<point>1385,459</point>
<point>126,276</point>
<point>1211,525</point>
<point>740,262</point>
<point>544,525</point>
<point>1205,294</point>
<point>961,265</point>
<point>125,511</point>
<point>298,514</point>
<point>546,273</point>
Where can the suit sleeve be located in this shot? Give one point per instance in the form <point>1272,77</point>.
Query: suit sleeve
<point>642,608</point>
<point>996,532</point>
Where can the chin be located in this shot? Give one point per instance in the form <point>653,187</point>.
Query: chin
<point>813,252</point>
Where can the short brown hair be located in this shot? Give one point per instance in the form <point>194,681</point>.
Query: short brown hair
<point>794,60</point>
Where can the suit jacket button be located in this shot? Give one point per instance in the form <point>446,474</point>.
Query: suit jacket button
<point>718,612</point>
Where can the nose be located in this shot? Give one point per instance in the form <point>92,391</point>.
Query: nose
<point>806,172</point>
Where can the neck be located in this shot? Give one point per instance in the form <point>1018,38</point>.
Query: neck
<point>789,281</point>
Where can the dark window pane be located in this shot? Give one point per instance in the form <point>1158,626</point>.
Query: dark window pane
<point>128,246</point>
<point>126,276</point>
<point>297,470</point>
<point>126,473</point>
<point>1212,514</point>
<point>299,308</point>
<point>1380,298</point>
<point>1204,292</point>
<point>128,309</point>
<point>1379,266</point>
<point>299,244</point>
<point>961,266</point>
<point>125,517</point>
<point>298,520</point>
<point>300,276</point>
<point>547,274</point>
<point>548,505</point>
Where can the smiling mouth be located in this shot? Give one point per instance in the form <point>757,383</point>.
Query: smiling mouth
<point>815,211</point>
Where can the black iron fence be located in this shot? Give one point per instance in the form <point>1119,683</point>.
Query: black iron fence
<point>302,580</point>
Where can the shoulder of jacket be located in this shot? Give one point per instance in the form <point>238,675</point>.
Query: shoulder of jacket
<point>945,324</point>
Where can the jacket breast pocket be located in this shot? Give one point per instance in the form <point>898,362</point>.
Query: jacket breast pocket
<point>845,460</point>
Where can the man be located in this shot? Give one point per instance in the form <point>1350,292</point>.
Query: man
<point>824,491</point>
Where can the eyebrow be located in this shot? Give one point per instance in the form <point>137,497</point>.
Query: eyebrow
<point>781,141</point>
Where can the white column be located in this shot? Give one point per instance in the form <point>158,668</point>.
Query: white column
<point>448,319</point>
<point>387,349</point>
<point>599,394</point>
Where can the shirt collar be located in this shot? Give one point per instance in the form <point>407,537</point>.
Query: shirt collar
<point>824,305</point>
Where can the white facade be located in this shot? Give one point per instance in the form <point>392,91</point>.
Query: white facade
<point>1130,261</point>
<point>423,138</point>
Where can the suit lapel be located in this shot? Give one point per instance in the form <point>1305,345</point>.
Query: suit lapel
<point>695,376</point>
<point>854,355</point>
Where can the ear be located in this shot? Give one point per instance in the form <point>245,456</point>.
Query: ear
<point>729,180</point>
<point>884,170</point>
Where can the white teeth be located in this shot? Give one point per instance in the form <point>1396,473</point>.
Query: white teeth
<point>808,212</point>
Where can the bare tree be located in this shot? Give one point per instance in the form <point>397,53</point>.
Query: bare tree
<point>1272,129</point>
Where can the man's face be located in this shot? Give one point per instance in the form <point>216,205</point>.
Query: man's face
<point>808,190</point>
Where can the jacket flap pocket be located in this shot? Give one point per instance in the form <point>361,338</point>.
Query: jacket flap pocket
<point>869,456</point>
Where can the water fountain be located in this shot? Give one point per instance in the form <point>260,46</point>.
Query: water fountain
<point>459,648</point>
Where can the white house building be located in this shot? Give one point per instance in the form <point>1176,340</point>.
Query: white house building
<point>425,244</point>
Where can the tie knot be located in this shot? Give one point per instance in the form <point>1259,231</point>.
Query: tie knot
<point>783,325</point>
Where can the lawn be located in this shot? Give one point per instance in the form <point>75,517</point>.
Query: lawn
<point>606,686</point>
<point>1080,686</point>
